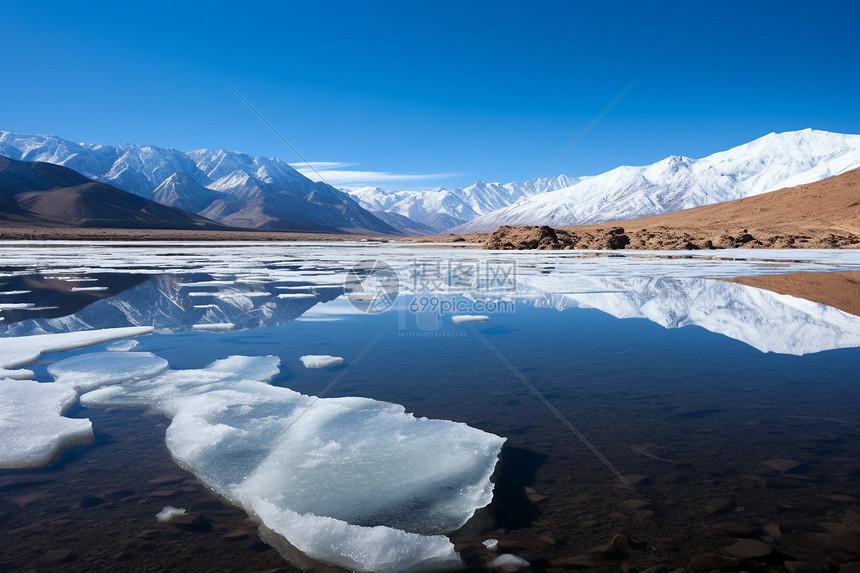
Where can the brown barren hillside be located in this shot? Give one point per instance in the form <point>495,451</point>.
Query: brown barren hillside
<point>825,214</point>
<point>43,194</point>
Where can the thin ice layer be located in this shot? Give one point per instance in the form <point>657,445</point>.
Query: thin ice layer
<point>122,346</point>
<point>90,371</point>
<point>32,425</point>
<point>350,481</point>
<point>18,351</point>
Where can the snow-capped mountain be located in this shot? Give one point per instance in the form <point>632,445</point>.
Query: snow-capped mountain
<point>772,162</point>
<point>232,188</point>
<point>441,209</point>
<point>37,193</point>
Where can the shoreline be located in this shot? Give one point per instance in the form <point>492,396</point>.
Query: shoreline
<point>32,233</point>
<point>612,236</point>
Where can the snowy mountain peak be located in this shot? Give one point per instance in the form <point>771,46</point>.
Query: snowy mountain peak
<point>442,209</point>
<point>771,162</point>
<point>231,187</point>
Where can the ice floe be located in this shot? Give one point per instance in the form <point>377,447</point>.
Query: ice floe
<point>168,513</point>
<point>15,305</point>
<point>92,288</point>
<point>90,371</point>
<point>123,345</point>
<point>32,425</point>
<point>17,374</point>
<point>214,326</point>
<point>297,295</point>
<point>18,351</point>
<point>207,283</point>
<point>462,318</point>
<point>320,360</point>
<point>238,294</point>
<point>369,486</point>
<point>507,563</point>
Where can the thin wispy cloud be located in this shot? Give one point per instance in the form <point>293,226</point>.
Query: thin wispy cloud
<point>339,174</point>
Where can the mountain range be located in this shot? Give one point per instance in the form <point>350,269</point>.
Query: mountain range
<point>442,209</point>
<point>38,193</point>
<point>241,191</point>
<point>772,162</point>
<point>231,188</point>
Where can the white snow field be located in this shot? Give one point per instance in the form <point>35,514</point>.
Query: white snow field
<point>320,360</point>
<point>32,425</point>
<point>349,481</point>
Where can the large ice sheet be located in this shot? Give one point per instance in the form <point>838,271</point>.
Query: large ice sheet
<point>15,352</point>
<point>350,481</point>
<point>33,428</point>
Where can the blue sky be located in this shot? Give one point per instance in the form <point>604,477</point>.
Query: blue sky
<point>418,95</point>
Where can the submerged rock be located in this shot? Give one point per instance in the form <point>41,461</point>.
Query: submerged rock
<point>749,549</point>
<point>711,562</point>
<point>803,567</point>
<point>56,556</point>
<point>782,465</point>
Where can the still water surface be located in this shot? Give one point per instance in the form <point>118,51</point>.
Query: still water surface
<point>687,386</point>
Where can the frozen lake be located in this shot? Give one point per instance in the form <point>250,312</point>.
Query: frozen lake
<point>393,406</point>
